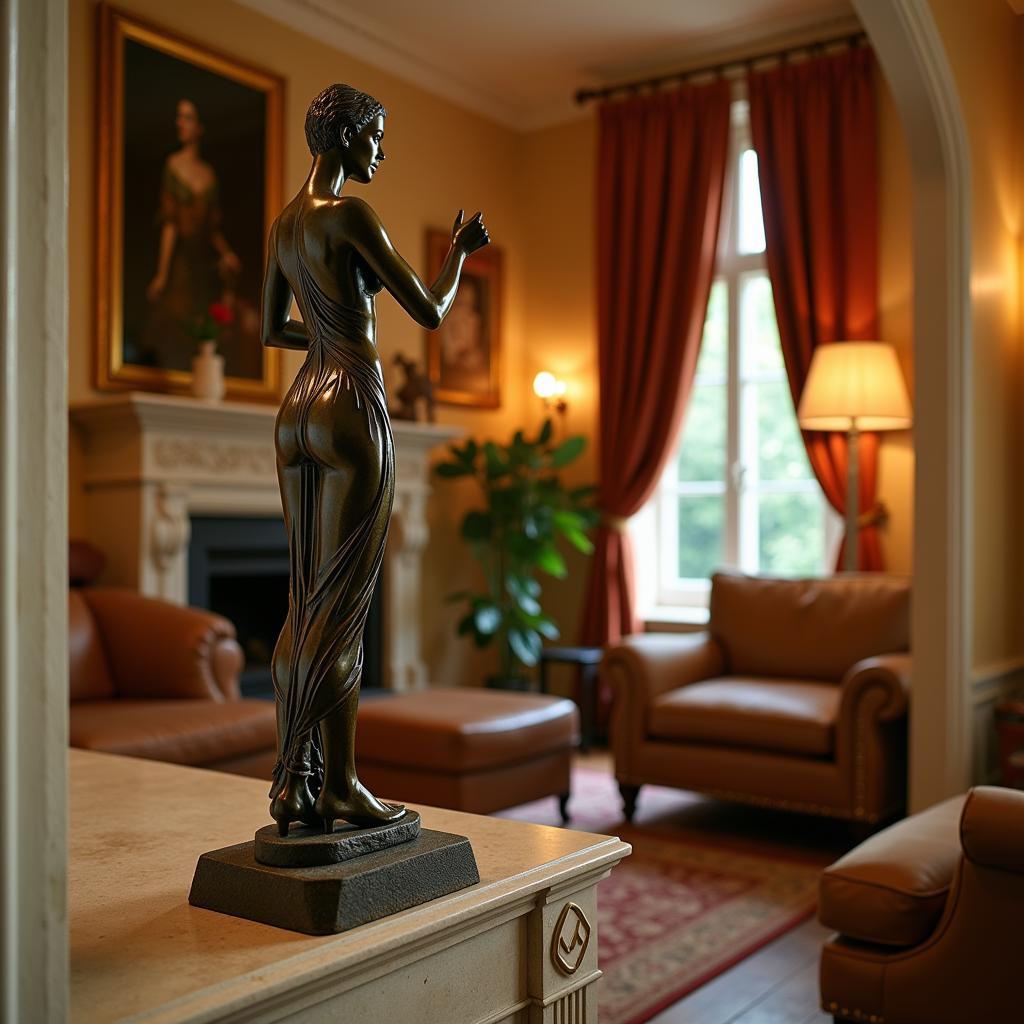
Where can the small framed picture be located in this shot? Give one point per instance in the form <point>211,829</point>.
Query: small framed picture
<point>190,172</point>
<point>464,353</point>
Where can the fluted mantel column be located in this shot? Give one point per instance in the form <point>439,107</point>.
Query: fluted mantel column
<point>154,461</point>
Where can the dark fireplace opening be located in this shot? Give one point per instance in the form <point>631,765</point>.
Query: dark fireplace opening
<point>238,568</point>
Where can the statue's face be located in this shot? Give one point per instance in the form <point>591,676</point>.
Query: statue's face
<point>364,151</point>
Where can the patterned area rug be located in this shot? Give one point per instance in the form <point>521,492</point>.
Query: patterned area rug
<point>683,907</point>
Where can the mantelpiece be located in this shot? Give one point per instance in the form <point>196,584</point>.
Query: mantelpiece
<point>153,461</point>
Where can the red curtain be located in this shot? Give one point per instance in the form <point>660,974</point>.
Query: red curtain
<point>661,167</point>
<point>813,127</point>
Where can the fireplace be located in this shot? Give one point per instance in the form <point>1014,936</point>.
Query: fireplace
<point>158,467</point>
<point>238,568</point>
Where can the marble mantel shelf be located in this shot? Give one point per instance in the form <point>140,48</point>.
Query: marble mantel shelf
<point>154,461</point>
<point>139,952</point>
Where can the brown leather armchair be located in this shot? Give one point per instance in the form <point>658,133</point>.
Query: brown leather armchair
<point>153,679</point>
<point>795,697</point>
<point>929,916</point>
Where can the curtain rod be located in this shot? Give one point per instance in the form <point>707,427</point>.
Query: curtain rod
<point>586,95</point>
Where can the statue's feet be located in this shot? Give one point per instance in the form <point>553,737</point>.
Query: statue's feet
<point>358,807</point>
<point>294,803</point>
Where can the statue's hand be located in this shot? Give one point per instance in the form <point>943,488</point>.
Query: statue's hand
<point>469,236</point>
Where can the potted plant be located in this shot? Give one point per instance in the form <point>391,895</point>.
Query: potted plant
<point>515,536</point>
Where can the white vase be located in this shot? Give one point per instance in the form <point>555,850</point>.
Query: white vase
<point>208,373</point>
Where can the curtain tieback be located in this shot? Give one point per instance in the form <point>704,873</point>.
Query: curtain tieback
<point>877,515</point>
<point>618,524</point>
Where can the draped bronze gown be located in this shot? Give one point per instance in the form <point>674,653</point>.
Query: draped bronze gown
<point>336,468</point>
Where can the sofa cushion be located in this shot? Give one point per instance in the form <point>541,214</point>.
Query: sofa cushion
<point>788,716</point>
<point>192,732</point>
<point>88,669</point>
<point>457,730</point>
<point>808,629</point>
<point>893,887</point>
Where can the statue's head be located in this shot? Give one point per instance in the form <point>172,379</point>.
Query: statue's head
<point>344,118</point>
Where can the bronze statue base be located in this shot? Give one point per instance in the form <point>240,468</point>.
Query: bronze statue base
<point>332,898</point>
<point>305,847</point>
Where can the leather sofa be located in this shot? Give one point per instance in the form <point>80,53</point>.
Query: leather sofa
<point>929,915</point>
<point>795,697</point>
<point>155,680</point>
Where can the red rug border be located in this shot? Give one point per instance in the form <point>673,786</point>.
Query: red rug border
<point>714,972</point>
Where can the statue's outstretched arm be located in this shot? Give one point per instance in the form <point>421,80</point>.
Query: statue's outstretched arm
<point>427,306</point>
<point>277,328</point>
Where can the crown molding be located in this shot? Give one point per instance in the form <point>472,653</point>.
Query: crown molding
<point>342,26</point>
<point>353,32</point>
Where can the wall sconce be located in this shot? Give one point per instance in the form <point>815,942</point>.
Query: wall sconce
<point>551,391</point>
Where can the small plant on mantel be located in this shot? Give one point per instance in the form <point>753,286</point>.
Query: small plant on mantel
<point>515,536</point>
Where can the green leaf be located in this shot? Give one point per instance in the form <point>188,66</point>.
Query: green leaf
<point>526,645</point>
<point>566,519</point>
<point>452,469</point>
<point>545,432</point>
<point>487,619</point>
<point>466,624</point>
<point>496,465</point>
<point>569,449</point>
<point>579,540</point>
<point>551,562</point>
<point>547,627</point>
<point>477,526</point>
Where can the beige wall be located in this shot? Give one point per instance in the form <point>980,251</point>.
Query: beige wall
<point>983,43</point>
<point>439,158</point>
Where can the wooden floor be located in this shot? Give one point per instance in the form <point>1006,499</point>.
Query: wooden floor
<point>776,985</point>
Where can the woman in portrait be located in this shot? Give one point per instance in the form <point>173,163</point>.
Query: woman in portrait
<point>335,453</point>
<point>195,264</point>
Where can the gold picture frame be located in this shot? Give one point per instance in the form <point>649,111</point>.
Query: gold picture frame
<point>150,81</point>
<point>464,353</point>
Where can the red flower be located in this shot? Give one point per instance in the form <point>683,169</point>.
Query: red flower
<point>221,314</point>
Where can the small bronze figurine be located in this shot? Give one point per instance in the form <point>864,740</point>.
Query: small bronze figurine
<point>335,453</point>
<point>417,387</point>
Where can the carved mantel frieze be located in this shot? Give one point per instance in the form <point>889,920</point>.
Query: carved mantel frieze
<point>154,461</point>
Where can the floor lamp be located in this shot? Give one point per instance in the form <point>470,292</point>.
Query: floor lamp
<point>854,386</point>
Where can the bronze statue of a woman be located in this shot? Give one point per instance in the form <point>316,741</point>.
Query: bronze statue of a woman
<point>335,452</point>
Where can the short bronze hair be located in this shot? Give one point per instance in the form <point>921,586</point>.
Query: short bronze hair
<point>337,107</point>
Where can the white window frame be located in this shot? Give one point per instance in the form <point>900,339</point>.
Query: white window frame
<point>655,529</point>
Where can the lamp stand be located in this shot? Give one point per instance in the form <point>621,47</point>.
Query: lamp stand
<point>852,498</point>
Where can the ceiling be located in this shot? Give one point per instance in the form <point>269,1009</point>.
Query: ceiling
<point>519,62</point>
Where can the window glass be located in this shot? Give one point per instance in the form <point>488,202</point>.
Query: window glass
<point>791,534</point>
<point>781,454</point>
<point>701,529</point>
<point>751,224</point>
<point>702,453</point>
<point>761,351</point>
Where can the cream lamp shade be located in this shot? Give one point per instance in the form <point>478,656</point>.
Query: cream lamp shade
<point>855,384</point>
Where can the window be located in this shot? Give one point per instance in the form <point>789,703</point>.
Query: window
<point>739,491</point>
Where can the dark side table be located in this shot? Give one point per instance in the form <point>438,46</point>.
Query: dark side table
<point>1010,726</point>
<point>587,658</point>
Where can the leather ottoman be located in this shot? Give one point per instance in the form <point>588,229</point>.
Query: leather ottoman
<point>467,749</point>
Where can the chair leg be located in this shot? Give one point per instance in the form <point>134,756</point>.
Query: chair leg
<point>563,807</point>
<point>629,797</point>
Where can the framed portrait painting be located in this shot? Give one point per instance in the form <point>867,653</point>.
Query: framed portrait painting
<point>189,175</point>
<point>463,354</point>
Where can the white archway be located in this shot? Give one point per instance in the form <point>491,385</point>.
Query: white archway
<point>910,52</point>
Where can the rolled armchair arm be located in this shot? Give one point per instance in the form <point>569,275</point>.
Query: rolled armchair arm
<point>871,734</point>
<point>161,650</point>
<point>886,679</point>
<point>992,828</point>
<point>646,665</point>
